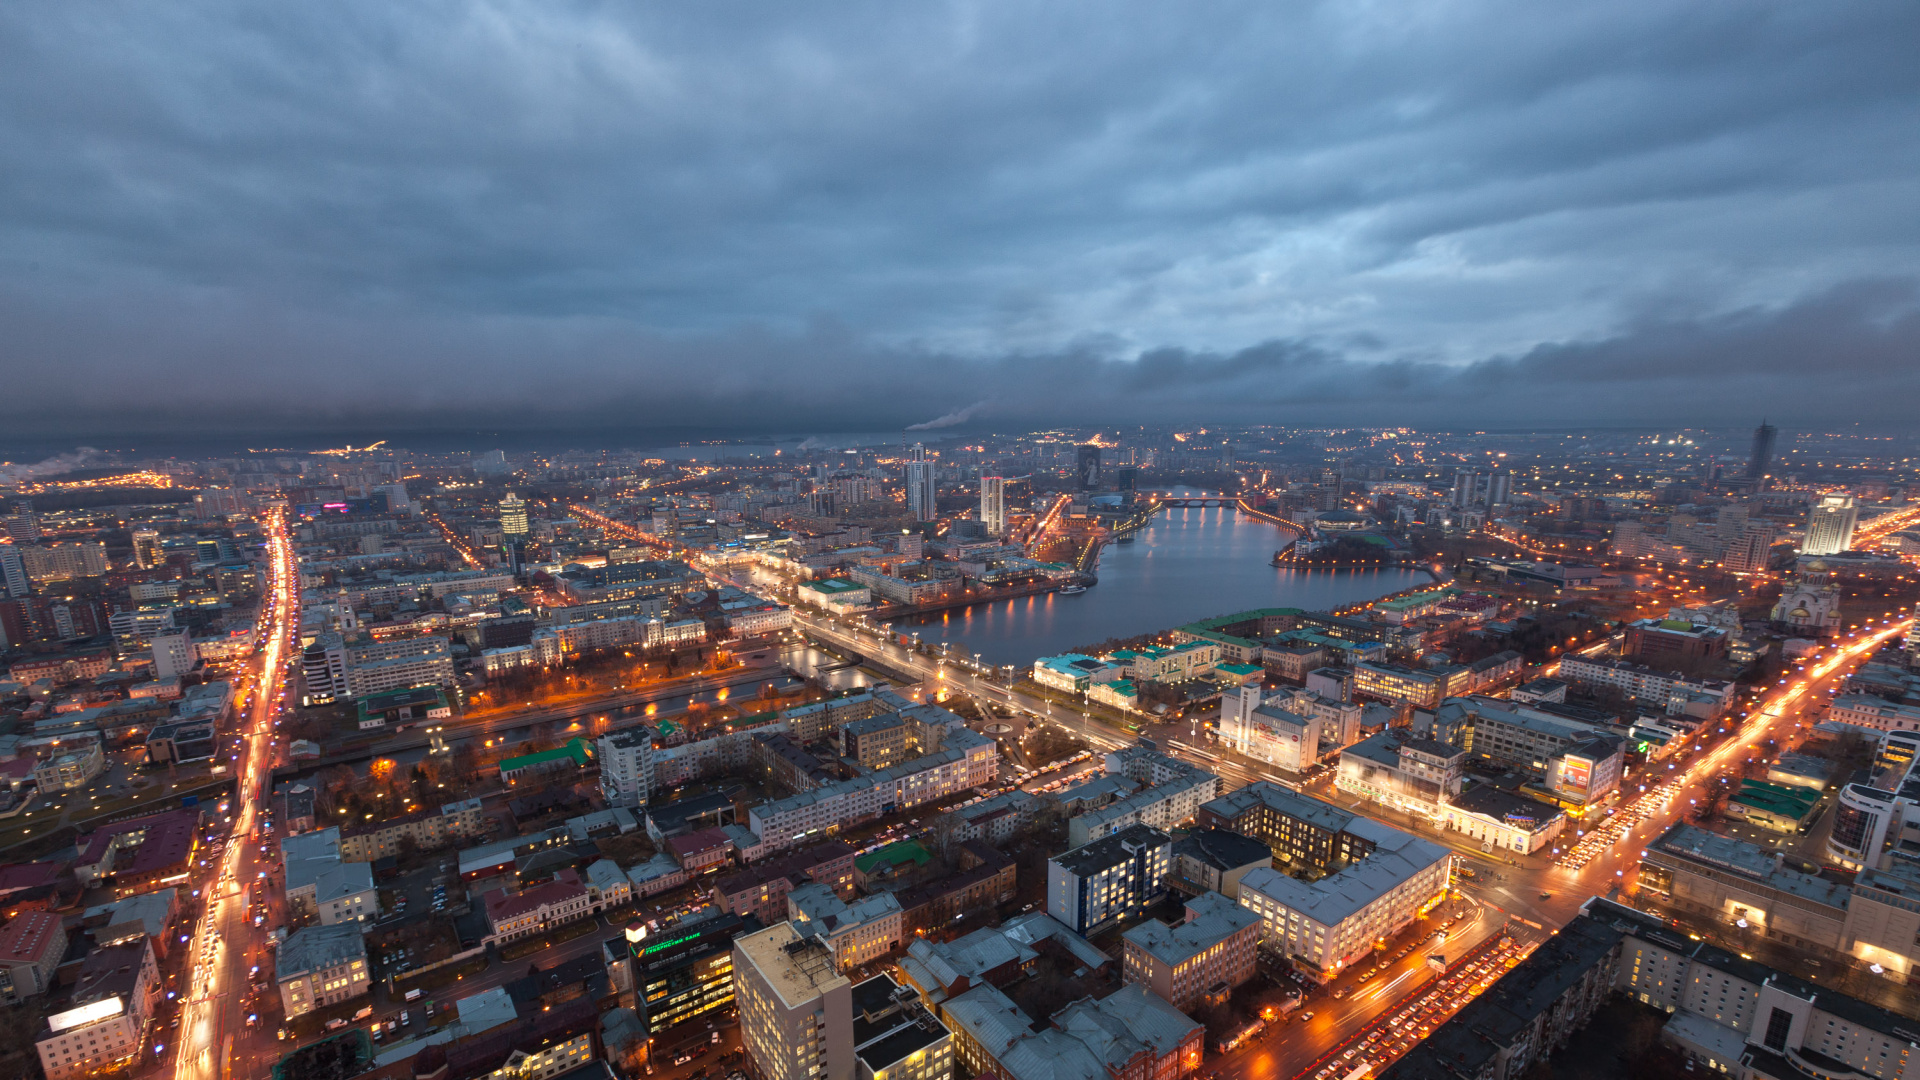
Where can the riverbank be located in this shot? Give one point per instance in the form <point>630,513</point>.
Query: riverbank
<point>1184,563</point>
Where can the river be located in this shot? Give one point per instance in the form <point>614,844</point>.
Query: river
<point>1191,563</point>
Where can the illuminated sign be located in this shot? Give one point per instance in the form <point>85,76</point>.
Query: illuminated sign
<point>668,944</point>
<point>85,1014</point>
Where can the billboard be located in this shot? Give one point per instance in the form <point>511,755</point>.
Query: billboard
<point>85,1014</point>
<point>1575,773</point>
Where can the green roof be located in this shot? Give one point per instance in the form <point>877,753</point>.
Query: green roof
<point>1779,799</point>
<point>576,749</point>
<point>1238,669</point>
<point>832,585</point>
<point>897,853</point>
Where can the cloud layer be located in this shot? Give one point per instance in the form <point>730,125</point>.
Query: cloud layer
<point>773,215</point>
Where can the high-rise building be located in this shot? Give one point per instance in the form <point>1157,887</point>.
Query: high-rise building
<point>920,484</point>
<point>796,1010</point>
<point>1830,526</point>
<point>173,654</point>
<point>1760,460</point>
<point>1086,467</point>
<point>147,552</point>
<point>21,525</point>
<point>13,572</point>
<point>513,517</point>
<point>626,767</point>
<point>993,504</point>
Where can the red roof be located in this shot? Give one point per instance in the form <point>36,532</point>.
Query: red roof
<point>695,843</point>
<point>503,905</point>
<point>31,875</point>
<point>168,840</point>
<point>29,937</point>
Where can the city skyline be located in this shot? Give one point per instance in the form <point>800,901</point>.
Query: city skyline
<point>540,217</point>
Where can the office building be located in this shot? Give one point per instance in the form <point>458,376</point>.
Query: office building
<point>1199,960</point>
<point>1327,924</point>
<point>513,517</point>
<point>1578,765</point>
<point>1086,467</point>
<point>1118,875</point>
<point>1760,458</point>
<point>1830,525</point>
<point>795,1008</point>
<point>1399,769</point>
<point>1671,642</point>
<point>679,975</point>
<point>173,655</point>
<point>319,966</point>
<point>98,1028</point>
<point>993,505</point>
<point>626,767</point>
<point>921,493</point>
<point>147,549</point>
<point>1876,823</point>
<point>1299,829</point>
<point>1421,687</point>
<point>1269,733</point>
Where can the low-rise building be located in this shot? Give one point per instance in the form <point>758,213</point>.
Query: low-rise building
<point>319,966</point>
<point>1196,961</point>
<point>515,915</point>
<point>1501,820</point>
<point>426,829</point>
<point>854,933</point>
<point>1074,673</point>
<point>895,1037</point>
<point>1214,860</point>
<point>31,946</point>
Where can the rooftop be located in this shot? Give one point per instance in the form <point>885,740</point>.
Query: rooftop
<point>1211,919</point>
<point>1396,858</point>
<point>796,968</point>
<point>317,948</point>
<point>1223,850</point>
<point>1089,859</point>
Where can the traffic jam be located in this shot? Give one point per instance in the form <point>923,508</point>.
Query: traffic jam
<point>1414,1017</point>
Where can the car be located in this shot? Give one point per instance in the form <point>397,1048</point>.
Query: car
<point>405,1019</point>
<point>1306,1016</point>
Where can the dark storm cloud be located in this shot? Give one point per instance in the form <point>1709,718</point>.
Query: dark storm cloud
<point>778,214</point>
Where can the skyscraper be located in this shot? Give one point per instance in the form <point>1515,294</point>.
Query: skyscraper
<point>920,487</point>
<point>1086,467</point>
<point>13,572</point>
<point>1760,461</point>
<point>146,548</point>
<point>993,504</point>
<point>1830,526</point>
<point>796,1011</point>
<point>21,525</point>
<point>513,517</point>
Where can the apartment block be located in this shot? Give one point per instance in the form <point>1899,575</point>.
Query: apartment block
<point>1117,875</point>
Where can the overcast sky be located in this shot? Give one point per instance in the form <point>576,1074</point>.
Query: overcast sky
<point>852,215</point>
